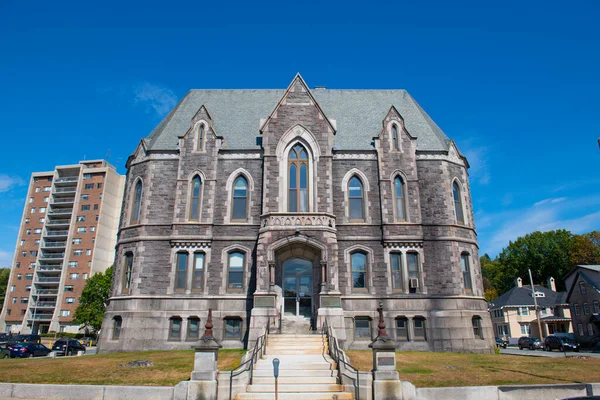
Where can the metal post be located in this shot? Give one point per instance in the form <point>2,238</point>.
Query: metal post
<point>276,375</point>
<point>537,312</point>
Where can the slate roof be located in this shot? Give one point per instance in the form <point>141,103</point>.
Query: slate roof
<point>521,296</point>
<point>359,115</point>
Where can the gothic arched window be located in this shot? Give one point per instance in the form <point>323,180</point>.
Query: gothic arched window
<point>298,179</point>
<point>399,199</point>
<point>201,135</point>
<point>458,208</point>
<point>195,198</point>
<point>240,199</point>
<point>356,199</point>
<point>395,142</point>
<point>137,202</point>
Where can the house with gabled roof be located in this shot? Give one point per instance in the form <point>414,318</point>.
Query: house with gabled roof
<point>583,285</point>
<point>514,314</point>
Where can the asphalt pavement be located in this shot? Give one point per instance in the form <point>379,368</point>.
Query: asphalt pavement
<point>541,353</point>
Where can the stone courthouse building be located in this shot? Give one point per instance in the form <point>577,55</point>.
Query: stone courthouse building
<point>279,207</point>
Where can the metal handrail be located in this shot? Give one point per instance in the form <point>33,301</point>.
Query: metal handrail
<point>65,190</point>
<point>259,347</point>
<point>337,355</point>
<point>66,179</point>
<point>57,233</point>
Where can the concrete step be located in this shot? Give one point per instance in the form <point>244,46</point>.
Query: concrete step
<point>295,335</point>
<point>296,373</point>
<point>296,396</point>
<point>296,352</point>
<point>296,380</point>
<point>301,357</point>
<point>298,366</point>
<point>292,388</point>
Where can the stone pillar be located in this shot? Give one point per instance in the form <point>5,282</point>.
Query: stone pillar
<point>203,383</point>
<point>386,382</point>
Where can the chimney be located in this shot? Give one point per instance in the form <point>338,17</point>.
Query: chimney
<point>519,282</point>
<point>551,284</point>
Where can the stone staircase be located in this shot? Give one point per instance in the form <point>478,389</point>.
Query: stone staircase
<point>306,372</point>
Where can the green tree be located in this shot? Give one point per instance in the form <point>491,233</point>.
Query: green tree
<point>545,253</point>
<point>4,275</point>
<point>94,299</point>
<point>586,249</point>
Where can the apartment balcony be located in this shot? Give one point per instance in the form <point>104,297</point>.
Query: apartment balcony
<point>43,304</point>
<point>297,221</point>
<point>66,179</point>
<point>47,244</point>
<point>60,211</point>
<point>63,192</point>
<point>50,279</point>
<point>40,317</point>
<point>49,268</point>
<point>45,292</point>
<point>57,233</point>
<point>52,256</point>
<point>59,222</point>
<point>63,202</point>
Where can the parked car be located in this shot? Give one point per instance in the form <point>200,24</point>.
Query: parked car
<point>67,347</point>
<point>28,349</point>
<point>28,338</point>
<point>561,343</point>
<point>501,343</point>
<point>4,352</point>
<point>531,343</point>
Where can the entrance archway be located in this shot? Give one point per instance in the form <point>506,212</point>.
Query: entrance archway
<point>297,287</point>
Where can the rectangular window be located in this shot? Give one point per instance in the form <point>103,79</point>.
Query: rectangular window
<point>73,264</point>
<point>525,310</point>
<point>582,288</point>
<point>74,276</point>
<point>23,254</point>
<point>36,242</point>
<point>30,200</point>
<point>46,188</point>
<point>81,229</point>
<point>419,328</point>
<point>466,272</point>
<point>236,271</point>
<point>477,330</point>
<point>85,207</point>
<point>78,252</point>
<point>181,271</point>
<point>92,229</point>
<point>24,300</point>
<point>84,276</point>
<point>359,270</point>
<point>116,333</point>
<point>27,288</point>
<point>198,274</point>
<point>65,313</point>
<point>362,328</point>
<point>28,232</point>
<point>99,185</point>
<point>586,309</point>
<point>70,300</point>
<point>28,277</point>
<point>193,328</point>
<point>22,243</point>
<point>580,330</point>
<point>46,199</point>
<point>89,186</point>
<point>596,306</point>
<point>76,240</point>
<point>37,189</point>
<point>88,252</point>
<point>396,260</point>
<point>14,300</point>
<point>84,197</point>
<point>233,328</point>
<point>525,329</point>
<point>127,273</point>
<point>37,231</point>
<point>590,330</point>
<point>402,329</point>
<point>12,288</point>
<point>95,207</point>
<point>87,176</point>
<point>19,276</point>
<point>42,209</point>
<point>414,278</point>
<point>68,288</point>
<point>33,210</point>
<point>577,309</point>
<point>27,220</point>
<point>175,329</point>
<point>81,218</point>
<point>42,220</point>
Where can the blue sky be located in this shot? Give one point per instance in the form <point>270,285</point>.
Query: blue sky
<point>514,83</point>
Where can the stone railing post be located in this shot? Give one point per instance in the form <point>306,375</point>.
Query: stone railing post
<point>386,382</point>
<point>203,383</point>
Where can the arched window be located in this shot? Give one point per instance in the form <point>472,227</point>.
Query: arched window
<point>240,199</point>
<point>195,198</point>
<point>399,199</point>
<point>298,179</point>
<point>201,135</point>
<point>395,137</point>
<point>466,272</point>
<point>126,283</point>
<point>355,197</point>
<point>236,271</point>
<point>137,202</point>
<point>359,270</point>
<point>458,208</point>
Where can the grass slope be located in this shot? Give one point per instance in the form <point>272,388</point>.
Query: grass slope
<point>170,368</point>
<point>425,369</point>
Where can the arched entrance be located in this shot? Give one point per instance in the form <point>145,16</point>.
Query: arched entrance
<point>297,287</point>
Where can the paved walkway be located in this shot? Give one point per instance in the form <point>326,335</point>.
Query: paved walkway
<point>541,353</point>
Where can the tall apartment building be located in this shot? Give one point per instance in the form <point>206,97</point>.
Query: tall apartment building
<point>68,233</point>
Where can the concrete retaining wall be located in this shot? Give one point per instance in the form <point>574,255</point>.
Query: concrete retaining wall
<point>524,392</point>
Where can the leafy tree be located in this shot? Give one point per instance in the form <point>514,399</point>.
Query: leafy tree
<point>545,253</point>
<point>4,275</point>
<point>94,299</point>
<point>490,294</point>
<point>586,249</point>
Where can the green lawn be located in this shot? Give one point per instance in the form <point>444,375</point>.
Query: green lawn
<point>170,368</point>
<point>426,369</point>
